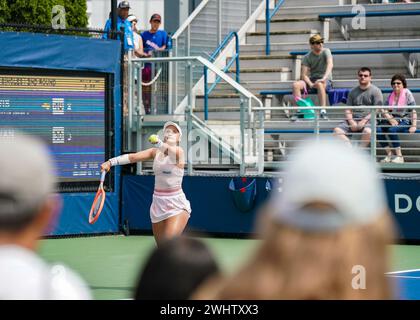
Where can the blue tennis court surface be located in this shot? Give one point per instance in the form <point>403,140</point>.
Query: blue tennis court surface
<point>408,283</point>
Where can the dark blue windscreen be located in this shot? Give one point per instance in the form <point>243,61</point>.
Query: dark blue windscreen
<point>67,112</point>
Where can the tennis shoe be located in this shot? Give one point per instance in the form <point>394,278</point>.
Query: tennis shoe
<point>398,160</point>
<point>387,159</point>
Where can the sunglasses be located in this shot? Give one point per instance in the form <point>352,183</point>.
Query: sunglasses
<point>316,42</point>
<point>364,75</point>
<point>394,83</point>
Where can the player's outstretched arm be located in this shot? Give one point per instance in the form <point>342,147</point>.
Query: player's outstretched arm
<point>129,158</point>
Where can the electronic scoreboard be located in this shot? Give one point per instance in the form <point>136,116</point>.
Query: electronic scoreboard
<point>67,111</point>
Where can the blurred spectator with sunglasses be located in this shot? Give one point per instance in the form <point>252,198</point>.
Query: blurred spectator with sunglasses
<point>316,72</point>
<point>396,118</point>
<point>138,41</point>
<point>358,120</point>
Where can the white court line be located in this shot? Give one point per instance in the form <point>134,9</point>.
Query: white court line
<point>407,277</point>
<point>402,271</point>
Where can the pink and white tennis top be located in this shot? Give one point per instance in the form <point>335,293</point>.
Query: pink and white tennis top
<point>167,174</point>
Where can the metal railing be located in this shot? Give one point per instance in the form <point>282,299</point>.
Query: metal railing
<point>268,16</point>
<point>251,140</point>
<point>235,58</point>
<point>282,135</point>
<point>202,33</point>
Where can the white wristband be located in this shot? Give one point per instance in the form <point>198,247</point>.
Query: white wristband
<point>120,160</point>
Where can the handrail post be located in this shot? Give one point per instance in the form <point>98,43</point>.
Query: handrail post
<point>267,27</point>
<point>189,84</point>
<point>189,118</point>
<point>189,142</point>
<point>170,83</point>
<point>317,124</point>
<point>129,116</point>
<point>242,137</point>
<point>175,76</point>
<point>206,96</point>
<point>373,133</point>
<point>140,89</point>
<point>237,57</point>
<point>260,137</point>
<point>219,21</point>
<point>188,41</point>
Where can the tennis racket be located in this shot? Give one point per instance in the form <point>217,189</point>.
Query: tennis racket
<point>98,202</point>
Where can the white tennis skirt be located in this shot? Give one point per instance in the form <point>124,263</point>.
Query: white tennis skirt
<point>168,204</point>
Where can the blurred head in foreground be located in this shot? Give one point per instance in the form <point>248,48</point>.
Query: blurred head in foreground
<point>27,183</point>
<point>175,269</point>
<point>325,235</point>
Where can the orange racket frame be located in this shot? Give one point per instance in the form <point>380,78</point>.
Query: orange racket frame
<point>101,191</point>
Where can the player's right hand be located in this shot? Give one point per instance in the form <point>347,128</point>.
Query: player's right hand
<point>106,166</point>
<point>154,139</point>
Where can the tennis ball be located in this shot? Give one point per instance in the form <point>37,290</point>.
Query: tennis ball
<point>154,138</point>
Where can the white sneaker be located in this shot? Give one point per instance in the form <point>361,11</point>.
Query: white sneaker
<point>398,160</point>
<point>387,159</point>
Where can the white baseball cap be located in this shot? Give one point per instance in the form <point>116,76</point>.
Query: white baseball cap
<point>170,123</point>
<point>331,172</point>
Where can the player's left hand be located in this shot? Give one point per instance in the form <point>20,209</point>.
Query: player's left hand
<point>154,139</point>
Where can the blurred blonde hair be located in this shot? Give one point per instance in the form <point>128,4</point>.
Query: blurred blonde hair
<point>296,264</point>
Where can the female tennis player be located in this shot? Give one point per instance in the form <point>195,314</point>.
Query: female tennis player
<point>170,210</point>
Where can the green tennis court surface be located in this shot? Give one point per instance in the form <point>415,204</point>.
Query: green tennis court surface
<point>110,264</point>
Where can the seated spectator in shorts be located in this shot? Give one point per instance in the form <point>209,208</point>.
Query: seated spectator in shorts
<point>396,118</point>
<point>154,40</point>
<point>123,11</point>
<point>175,269</point>
<point>325,236</point>
<point>358,120</point>
<point>316,72</point>
<point>28,208</point>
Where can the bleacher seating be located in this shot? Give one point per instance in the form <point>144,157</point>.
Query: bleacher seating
<point>390,44</point>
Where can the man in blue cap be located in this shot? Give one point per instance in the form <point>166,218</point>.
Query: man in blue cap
<point>123,9</point>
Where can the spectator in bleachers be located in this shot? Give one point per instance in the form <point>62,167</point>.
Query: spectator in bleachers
<point>122,22</point>
<point>175,269</point>
<point>325,235</point>
<point>138,41</point>
<point>154,40</point>
<point>396,118</point>
<point>317,66</point>
<point>28,209</point>
<point>358,120</point>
